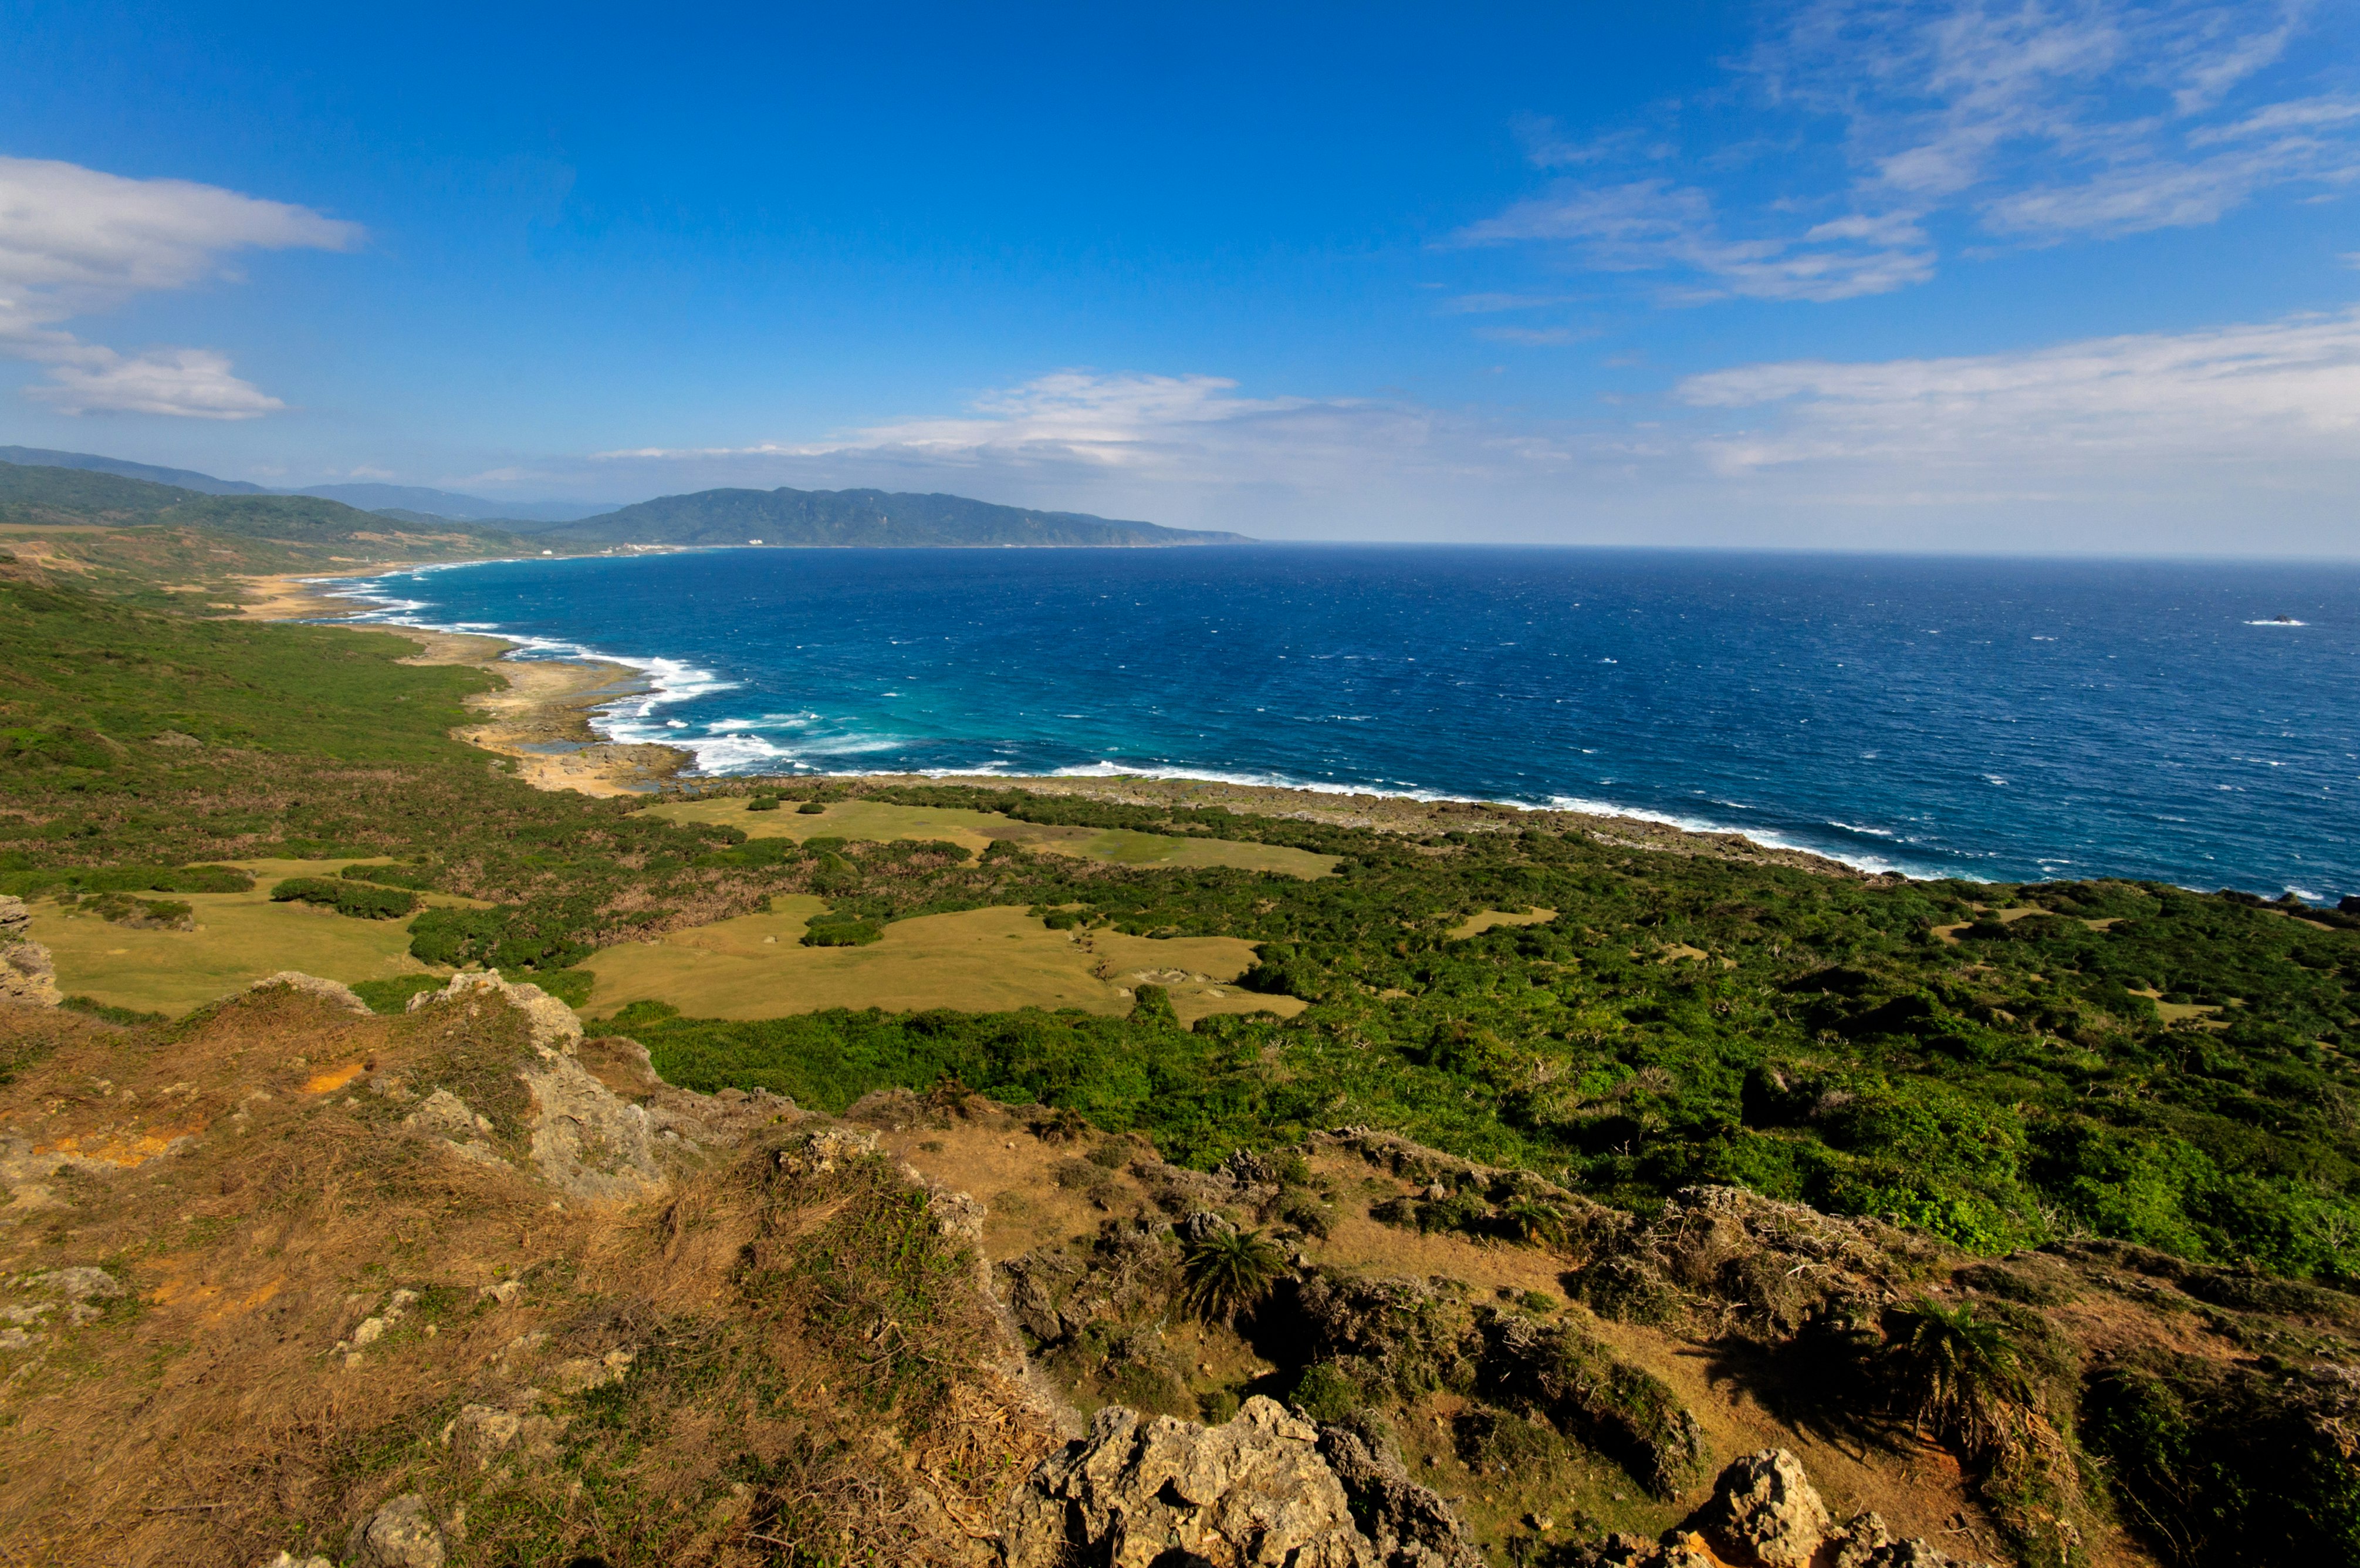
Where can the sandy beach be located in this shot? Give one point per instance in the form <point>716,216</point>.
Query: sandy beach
<point>540,715</point>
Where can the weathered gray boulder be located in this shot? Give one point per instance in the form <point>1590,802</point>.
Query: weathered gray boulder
<point>401,1534</point>
<point>1260,1490</point>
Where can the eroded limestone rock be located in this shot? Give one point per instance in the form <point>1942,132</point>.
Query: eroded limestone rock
<point>1260,1490</point>
<point>331,990</point>
<point>586,1141</point>
<point>554,1026</point>
<point>27,975</point>
<point>401,1534</point>
<point>1764,1513</point>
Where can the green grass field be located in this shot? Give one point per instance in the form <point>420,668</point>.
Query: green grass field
<point>883,822</point>
<point>975,960</point>
<point>239,939</point>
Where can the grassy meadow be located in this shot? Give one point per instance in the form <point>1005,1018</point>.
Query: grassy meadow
<point>884,821</point>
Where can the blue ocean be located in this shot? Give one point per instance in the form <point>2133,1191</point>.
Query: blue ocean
<point>2195,723</point>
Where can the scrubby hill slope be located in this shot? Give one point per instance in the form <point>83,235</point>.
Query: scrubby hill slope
<point>860,517</point>
<point>183,479</point>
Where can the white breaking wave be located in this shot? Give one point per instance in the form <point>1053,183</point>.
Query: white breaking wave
<point>733,745</point>
<point>632,718</point>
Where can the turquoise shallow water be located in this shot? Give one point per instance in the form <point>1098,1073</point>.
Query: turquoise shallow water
<point>2007,719</point>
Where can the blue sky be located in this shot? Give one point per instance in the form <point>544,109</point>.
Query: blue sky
<point>2006,277</point>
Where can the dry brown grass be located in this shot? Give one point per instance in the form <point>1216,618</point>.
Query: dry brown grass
<point>678,1399</point>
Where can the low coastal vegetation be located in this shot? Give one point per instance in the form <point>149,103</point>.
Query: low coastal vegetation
<point>1907,1157</point>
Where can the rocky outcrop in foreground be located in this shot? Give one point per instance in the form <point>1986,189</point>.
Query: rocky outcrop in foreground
<point>1268,1489</point>
<point>1764,1513</point>
<point>1264,1488</point>
<point>26,973</point>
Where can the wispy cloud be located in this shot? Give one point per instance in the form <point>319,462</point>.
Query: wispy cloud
<point>77,241</point>
<point>2037,120</point>
<point>1654,226</point>
<point>1535,337</point>
<point>2234,399</point>
<point>2134,442</point>
<point>1077,437</point>
<point>1495,304</point>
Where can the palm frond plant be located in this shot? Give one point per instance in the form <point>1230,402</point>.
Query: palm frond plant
<point>1961,1376</point>
<point>1226,1271</point>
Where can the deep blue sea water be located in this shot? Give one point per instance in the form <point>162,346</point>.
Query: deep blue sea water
<point>2005,719</point>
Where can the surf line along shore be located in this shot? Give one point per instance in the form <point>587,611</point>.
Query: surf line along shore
<point>541,718</point>
<point>539,715</point>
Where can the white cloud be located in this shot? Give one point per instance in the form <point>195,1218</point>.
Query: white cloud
<point>1074,419</point>
<point>2239,439</point>
<point>76,241</point>
<point>2041,120</point>
<point>2226,403</point>
<point>1653,225</point>
<point>194,383</point>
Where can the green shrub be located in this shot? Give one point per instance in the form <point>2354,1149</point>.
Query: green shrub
<point>2219,1465</point>
<point>121,909</point>
<point>508,938</point>
<point>1590,1394</point>
<point>1152,1005</point>
<point>392,994</point>
<point>1305,1214</point>
<point>833,876</point>
<point>91,1007</point>
<point>840,931</point>
<point>810,808</point>
<point>1326,1393</point>
<point>127,879</point>
<point>417,878</point>
<point>362,901</point>
<point>764,803</point>
<point>571,986</point>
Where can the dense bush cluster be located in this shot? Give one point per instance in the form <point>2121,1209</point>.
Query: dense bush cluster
<point>358,900</point>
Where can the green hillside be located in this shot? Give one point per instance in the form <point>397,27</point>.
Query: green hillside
<point>860,517</point>
<point>44,496</point>
<point>41,493</point>
<point>182,479</point>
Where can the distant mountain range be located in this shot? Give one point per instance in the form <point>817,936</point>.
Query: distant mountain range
<point>183,479</point>
<point>50,495</point>
<point>860,517</point>
<point>779,517</point>
<point>451,504</point>
<point>448,504</point>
